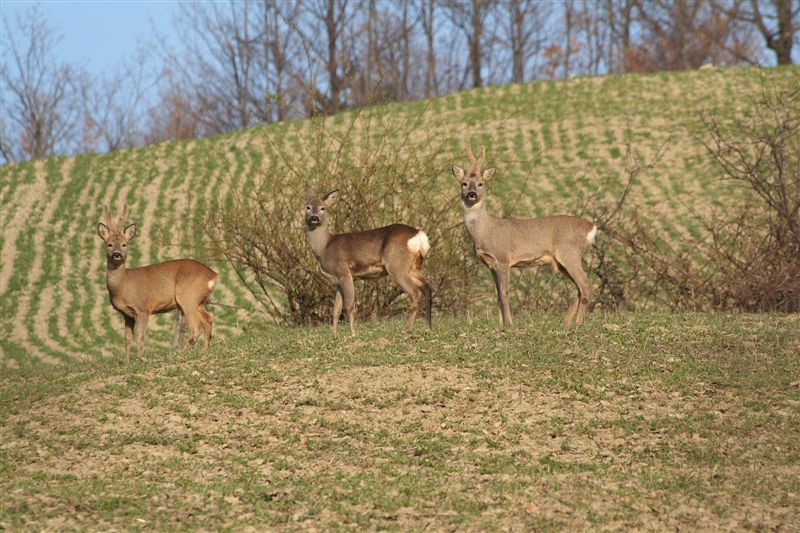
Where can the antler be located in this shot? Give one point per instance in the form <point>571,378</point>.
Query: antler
<point>470,156</point>
<point>476,164</point>
<point>123,216</point>
<point>108,220</point>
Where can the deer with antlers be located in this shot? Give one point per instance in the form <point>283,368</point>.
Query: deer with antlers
<point>396,250</point>
<point>506,243</point>
<point>180,284</point>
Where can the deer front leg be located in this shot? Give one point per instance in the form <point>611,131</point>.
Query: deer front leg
<point>349,301</point>
<point>129,324</point>
<point>141,319</point>
<point>337,308</point>
<point>503,275</point>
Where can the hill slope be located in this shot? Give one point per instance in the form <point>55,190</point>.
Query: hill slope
<point>644,422</point>
<point>549,140</point>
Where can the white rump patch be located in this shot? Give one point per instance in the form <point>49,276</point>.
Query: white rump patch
<point>419,244</point>
<point>591,235</point>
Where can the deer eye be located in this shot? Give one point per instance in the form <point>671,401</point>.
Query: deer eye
<point>322,209</point>
<point>124,245</point>
<point>308,208</point>
<point>109,246</point>
<point>480,185</point>
<point>464,184</point>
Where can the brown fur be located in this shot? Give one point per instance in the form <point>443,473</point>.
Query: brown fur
<point>346,257</point>
<point>181,284</point>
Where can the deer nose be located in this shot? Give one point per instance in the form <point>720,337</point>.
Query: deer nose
<point>116,256</point>
<point>471,195</point>
<point>313,218</point>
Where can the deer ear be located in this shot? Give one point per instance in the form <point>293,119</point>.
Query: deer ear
<point>330,198</point>
<point>130,232</point>
<point>488,174</point>
<point>102,230</point>
<point>458,173</point>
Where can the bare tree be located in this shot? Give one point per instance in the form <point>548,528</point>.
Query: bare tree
<point>324,35</point>
<point>40,96</point>
<point>522,33</point>
<point>427,14</point>
<point>470,17</point>
<point>113,107</point>
<point>778,22</point>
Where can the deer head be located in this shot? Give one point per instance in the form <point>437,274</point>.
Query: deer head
<point>472,182</point>
<point>315,208</point>
<point>115,237</point>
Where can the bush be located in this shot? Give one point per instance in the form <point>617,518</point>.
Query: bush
<point>747,255</point>
<point>388,168</point>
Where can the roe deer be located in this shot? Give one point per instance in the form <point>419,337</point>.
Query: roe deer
<point>503,243</point>
<point>181,284</point>
<point>396,250</point>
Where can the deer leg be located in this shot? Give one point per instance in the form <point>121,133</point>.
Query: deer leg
<point>413,293</point>
<point>337,308</point>
<point>195,324</point>
<point>410,284</point>
<point>141,321</point>
<point>427,291</point>
<point>503,274</point>
<point>499,301</point>
<point>349,301</point>
<point>129,324</point>
<point>177,334</point>
<point>572,267</point>
<point>207,323</point>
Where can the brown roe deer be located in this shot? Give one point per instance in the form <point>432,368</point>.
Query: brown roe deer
<point>396,250</point>
<point>503,243</point>
<point>181,284</point>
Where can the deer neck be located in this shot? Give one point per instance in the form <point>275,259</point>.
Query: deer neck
<point>115,276</point>
<point>318,239</point>
<point>476,218</point>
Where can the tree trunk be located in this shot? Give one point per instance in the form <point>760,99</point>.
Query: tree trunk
<point>332,106</point>
<point>475,43</point>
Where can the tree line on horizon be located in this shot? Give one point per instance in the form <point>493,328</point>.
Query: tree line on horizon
<point>244,63</point>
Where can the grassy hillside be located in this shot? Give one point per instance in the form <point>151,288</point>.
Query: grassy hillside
<point>553,142</point>
<point>646,422</point>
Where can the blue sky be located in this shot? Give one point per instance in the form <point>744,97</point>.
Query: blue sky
<point>98,35</point>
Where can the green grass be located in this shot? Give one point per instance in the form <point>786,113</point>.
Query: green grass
<point>649,421</point>
<point>550,141</point>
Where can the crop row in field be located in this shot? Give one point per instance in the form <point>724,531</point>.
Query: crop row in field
<point>554,143</point>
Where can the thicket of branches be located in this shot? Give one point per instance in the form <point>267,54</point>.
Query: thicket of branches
<point>243,63</point>
<point>384,168</point>
<point>746,254</point>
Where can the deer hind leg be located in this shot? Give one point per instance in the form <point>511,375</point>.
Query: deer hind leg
<point>413,292</point>
<point>195,323</point>
<point>129,325</point>
<point>207,322</point>
<point>190,306</point>
<point>427,292</point>
<point>177,334</point>
<point>571,266</point>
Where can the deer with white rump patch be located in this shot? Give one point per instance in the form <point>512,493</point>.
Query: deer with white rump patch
<point>503,243</point>
<point>396,250</point>
<point>180,284</point>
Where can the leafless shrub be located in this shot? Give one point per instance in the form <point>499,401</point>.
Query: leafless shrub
<point>386,168</point>
<point>746,254</point>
